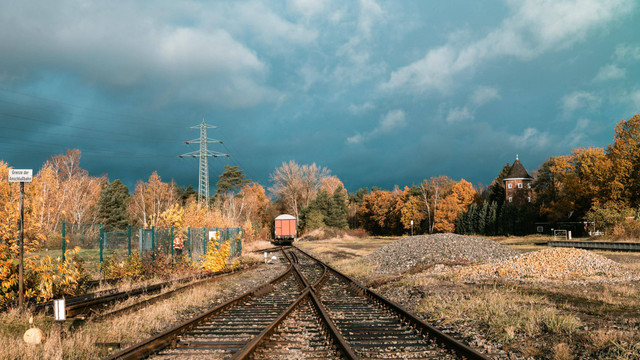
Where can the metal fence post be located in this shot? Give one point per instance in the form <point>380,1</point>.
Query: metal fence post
<point>204,240</point>
<point>189,241</point>
<point>171,242</point>
<point>101,241</point>
<point>64,241</point>
<point>129,231</point>
<point>153,243</point>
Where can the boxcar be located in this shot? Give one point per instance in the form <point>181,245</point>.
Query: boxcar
<point>285,229</point>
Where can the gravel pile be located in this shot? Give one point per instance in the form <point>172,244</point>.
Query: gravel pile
<point>428,250</point>
<point>554,263</point>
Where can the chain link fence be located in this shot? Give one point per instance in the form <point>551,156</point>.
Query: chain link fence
<point>96,243</point>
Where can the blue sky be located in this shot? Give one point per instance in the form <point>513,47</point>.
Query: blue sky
<point>380,92</point>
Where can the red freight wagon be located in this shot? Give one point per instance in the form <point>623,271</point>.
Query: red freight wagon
<point>285,229</point>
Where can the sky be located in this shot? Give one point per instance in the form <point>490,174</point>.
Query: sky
<point>379,92</point>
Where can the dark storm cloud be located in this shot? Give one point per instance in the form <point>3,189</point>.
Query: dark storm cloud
<point>382,93</point>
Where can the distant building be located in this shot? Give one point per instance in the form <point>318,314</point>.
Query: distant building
<point>518,184</point>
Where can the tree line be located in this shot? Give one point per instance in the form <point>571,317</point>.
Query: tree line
<point>601,185</point>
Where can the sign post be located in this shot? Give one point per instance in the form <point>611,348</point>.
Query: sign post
<point>22,176</point>
<point>411,227</point>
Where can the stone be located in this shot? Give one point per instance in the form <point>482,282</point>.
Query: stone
<point>33,336</point>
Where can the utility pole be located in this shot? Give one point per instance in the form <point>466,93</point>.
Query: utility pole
<point>203,154</point>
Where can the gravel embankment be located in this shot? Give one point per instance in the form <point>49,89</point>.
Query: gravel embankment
<point>428,250</point>
<point>554,264</point>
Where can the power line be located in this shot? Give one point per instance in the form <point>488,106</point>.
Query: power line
<point>204,154</point>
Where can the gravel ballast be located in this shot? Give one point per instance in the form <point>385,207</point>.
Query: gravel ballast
<point>552,264</point>
<point>428,250</point>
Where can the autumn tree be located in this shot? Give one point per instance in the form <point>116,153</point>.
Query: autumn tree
<point>332,183</point>
<point>433,191</point>
<point>381,212</point>
<point>10,215</point>
<point>413,210</point>
<point>454,203</point>
<point>150,199</point>
<point>625,161</point>
<point>296,185</point>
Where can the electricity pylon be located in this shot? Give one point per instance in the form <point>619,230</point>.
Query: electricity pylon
<point>204,154</point>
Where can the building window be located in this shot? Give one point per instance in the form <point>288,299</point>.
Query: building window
<point>529,198</point>
<point>510,198</point>
<point>528,186</point>
<point>509,186</point>
<point>520,186</point>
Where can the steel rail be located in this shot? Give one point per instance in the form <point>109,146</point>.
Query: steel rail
<point>78,304</point>
<point>323,316</point>
<point>597,245</point>
<point>460,348</point>
<point>169,294</point>
<point>164,339</point>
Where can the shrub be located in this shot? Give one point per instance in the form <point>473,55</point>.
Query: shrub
<point>216,257</point>
<point>132,266</point>
<point>47,278</point>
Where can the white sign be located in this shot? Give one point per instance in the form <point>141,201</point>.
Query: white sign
<point>20,175</point>
<point>215,235</point>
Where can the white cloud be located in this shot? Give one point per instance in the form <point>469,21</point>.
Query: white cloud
<point>626,52</point>
<point>355,139</point>
<point>391,121</point>
<point>308,8</point>
<point>361,109</point>
<point>610,72</point>
<point>578,136</point>
<point>481,96</point>
<point>534,27</point>
<point>459,114</point>
<point>270,27</point>
<point>484,94</point>
<point>530,137</point>
<point>370,13</point>
<point>580,100</point>
<point>359,64</point>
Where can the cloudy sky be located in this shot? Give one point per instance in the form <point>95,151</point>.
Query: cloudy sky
<point>380,92</point>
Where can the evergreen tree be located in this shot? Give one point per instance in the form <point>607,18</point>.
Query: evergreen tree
<point>231,180</point>
<point>470,224</point>
<point>482,218</point>
<point>316,214</point>
<point>112,206</point>
<point>492,214</point>
<point>460,223</point>
<point>497,192</point>
<point>337,211</point>
<point>185,192</point>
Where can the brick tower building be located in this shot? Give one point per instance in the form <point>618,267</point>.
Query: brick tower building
<point>518,184</point>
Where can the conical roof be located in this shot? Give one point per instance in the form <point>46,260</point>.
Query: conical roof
<point>518,171</point>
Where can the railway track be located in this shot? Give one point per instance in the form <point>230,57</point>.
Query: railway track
<point>89,304</point>
<point>311,311</point>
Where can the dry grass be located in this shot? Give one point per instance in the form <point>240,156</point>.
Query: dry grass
<point>504,312</point>
<point>125,329</point>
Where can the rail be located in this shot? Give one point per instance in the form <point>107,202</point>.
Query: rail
<point>599,245</point>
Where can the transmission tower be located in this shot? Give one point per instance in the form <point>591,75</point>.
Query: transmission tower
<point>204,154</point>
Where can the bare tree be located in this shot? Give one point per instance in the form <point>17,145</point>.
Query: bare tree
<point>296,185</point>
<point>433,190</point>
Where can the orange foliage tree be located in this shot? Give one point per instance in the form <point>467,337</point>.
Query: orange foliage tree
<point>457,201</point>
<point>150,199</point>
